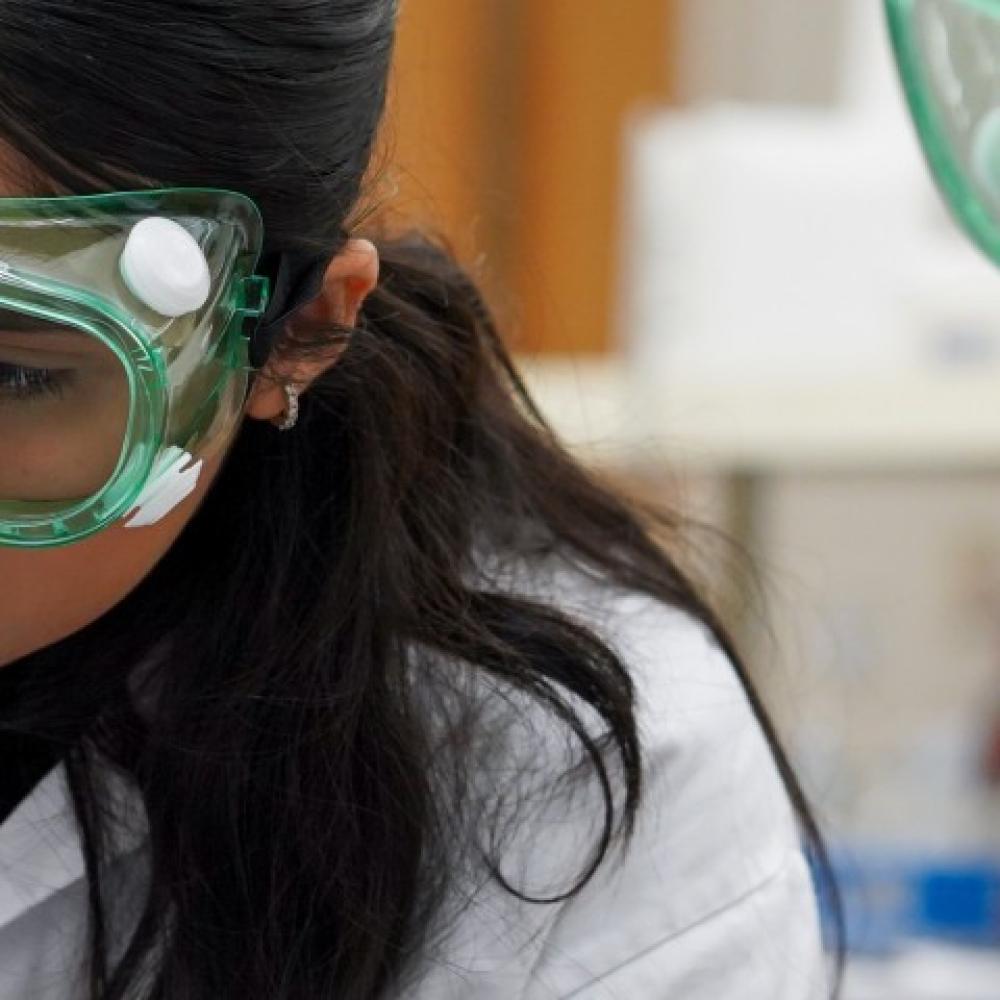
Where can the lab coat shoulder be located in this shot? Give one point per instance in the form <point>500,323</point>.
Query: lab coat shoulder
<point>714,898</point>
<point>711,899</point>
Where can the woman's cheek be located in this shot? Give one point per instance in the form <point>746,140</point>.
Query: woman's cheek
<point>48,594</point>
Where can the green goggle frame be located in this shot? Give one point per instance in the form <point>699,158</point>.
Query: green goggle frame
<point>123,353</point>
<point>948,52</point>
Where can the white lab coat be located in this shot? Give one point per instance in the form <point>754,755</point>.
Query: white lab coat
<point>713,901</point>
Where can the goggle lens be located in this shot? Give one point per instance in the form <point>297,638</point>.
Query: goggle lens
<point>64,411</point>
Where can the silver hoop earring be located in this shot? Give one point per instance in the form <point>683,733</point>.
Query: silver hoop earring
<point>291,408</point>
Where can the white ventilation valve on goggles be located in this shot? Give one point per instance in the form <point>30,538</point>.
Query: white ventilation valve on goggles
<point>164,267</point>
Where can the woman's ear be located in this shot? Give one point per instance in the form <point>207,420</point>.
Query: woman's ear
<point>350,278</point>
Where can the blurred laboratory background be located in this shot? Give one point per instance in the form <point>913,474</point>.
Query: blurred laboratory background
<point>708,230</point>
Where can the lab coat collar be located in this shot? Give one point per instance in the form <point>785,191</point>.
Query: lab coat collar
<point>40,851</point>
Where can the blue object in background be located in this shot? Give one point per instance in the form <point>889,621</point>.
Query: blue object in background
<point>958,902</point>
<point>891,896</point>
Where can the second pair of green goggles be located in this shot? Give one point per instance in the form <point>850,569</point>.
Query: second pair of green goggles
<point>123,359</point>
<point>949,56</point>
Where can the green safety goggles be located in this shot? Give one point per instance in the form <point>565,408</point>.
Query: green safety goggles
<point>949,57</point>
<point>123,353</point>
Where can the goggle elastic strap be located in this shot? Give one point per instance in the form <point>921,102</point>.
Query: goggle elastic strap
<point>296,280</point>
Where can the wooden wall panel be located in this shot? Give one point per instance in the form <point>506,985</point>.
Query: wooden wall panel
<point>504,132</point>
<point>587,64</point>
<point>436,137</point>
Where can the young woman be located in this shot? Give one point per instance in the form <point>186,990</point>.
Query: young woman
<point>326,671</point>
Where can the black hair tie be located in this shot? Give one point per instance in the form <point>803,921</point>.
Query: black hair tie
<point>296,280</point>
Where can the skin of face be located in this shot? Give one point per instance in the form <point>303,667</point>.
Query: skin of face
<point>48,594</point>
<point>61,441</point>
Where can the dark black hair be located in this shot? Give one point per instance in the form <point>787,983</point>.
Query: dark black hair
<point>300,842</point>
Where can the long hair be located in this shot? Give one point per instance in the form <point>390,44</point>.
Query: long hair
<point>299,841</point>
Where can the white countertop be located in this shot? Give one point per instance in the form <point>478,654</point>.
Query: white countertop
<point>910,422</point>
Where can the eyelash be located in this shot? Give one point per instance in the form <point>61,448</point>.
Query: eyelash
<point>18,382</point>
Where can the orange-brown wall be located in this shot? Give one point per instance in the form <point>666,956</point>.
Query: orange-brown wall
<point>505,133</point>
<point>437,136</point>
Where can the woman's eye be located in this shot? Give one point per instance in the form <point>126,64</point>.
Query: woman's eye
<point>19,382</point>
